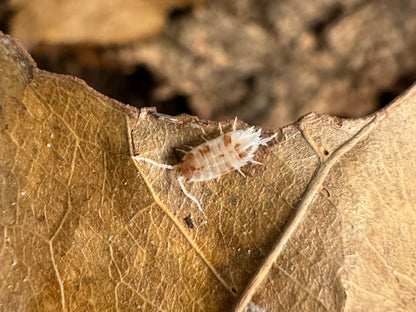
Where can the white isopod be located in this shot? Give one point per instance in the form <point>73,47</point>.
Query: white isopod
<point>214,158</point>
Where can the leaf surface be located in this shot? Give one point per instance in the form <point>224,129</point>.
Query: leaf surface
<point>93,22</point>
<point>327,224</point>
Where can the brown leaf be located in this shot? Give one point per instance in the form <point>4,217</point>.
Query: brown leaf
<point>327,224</point>
<point>92,22</point>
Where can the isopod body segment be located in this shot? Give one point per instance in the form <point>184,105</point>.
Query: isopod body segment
<point>228,152</point>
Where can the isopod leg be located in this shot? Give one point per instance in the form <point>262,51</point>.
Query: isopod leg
<point>180,180</point>
<point>235,124</point>
<point>241,173</point>
<point>256,162</point>
<point>204,134</point>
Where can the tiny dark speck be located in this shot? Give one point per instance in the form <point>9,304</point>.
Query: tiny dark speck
<point>326,153</point>
<point>188,222</point>
<point>233,290</point>
<point>41,218</point>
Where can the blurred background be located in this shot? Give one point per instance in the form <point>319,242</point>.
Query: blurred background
<point>266,61</point>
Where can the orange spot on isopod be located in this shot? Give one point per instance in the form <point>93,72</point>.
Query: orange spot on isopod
<point>227,140</point>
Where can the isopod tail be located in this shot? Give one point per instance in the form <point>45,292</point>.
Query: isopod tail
<point>180,180</point>
<point>264,141</point>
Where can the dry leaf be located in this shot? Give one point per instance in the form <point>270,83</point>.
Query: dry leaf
<point>328,224</point>
<point>92,22</point>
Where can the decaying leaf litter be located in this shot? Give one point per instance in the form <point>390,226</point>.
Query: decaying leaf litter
<point>320,229</point>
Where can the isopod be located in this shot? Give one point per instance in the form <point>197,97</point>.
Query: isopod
<point>214,158</point>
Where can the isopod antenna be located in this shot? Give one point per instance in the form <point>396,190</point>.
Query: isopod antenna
<point>153,162</point>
